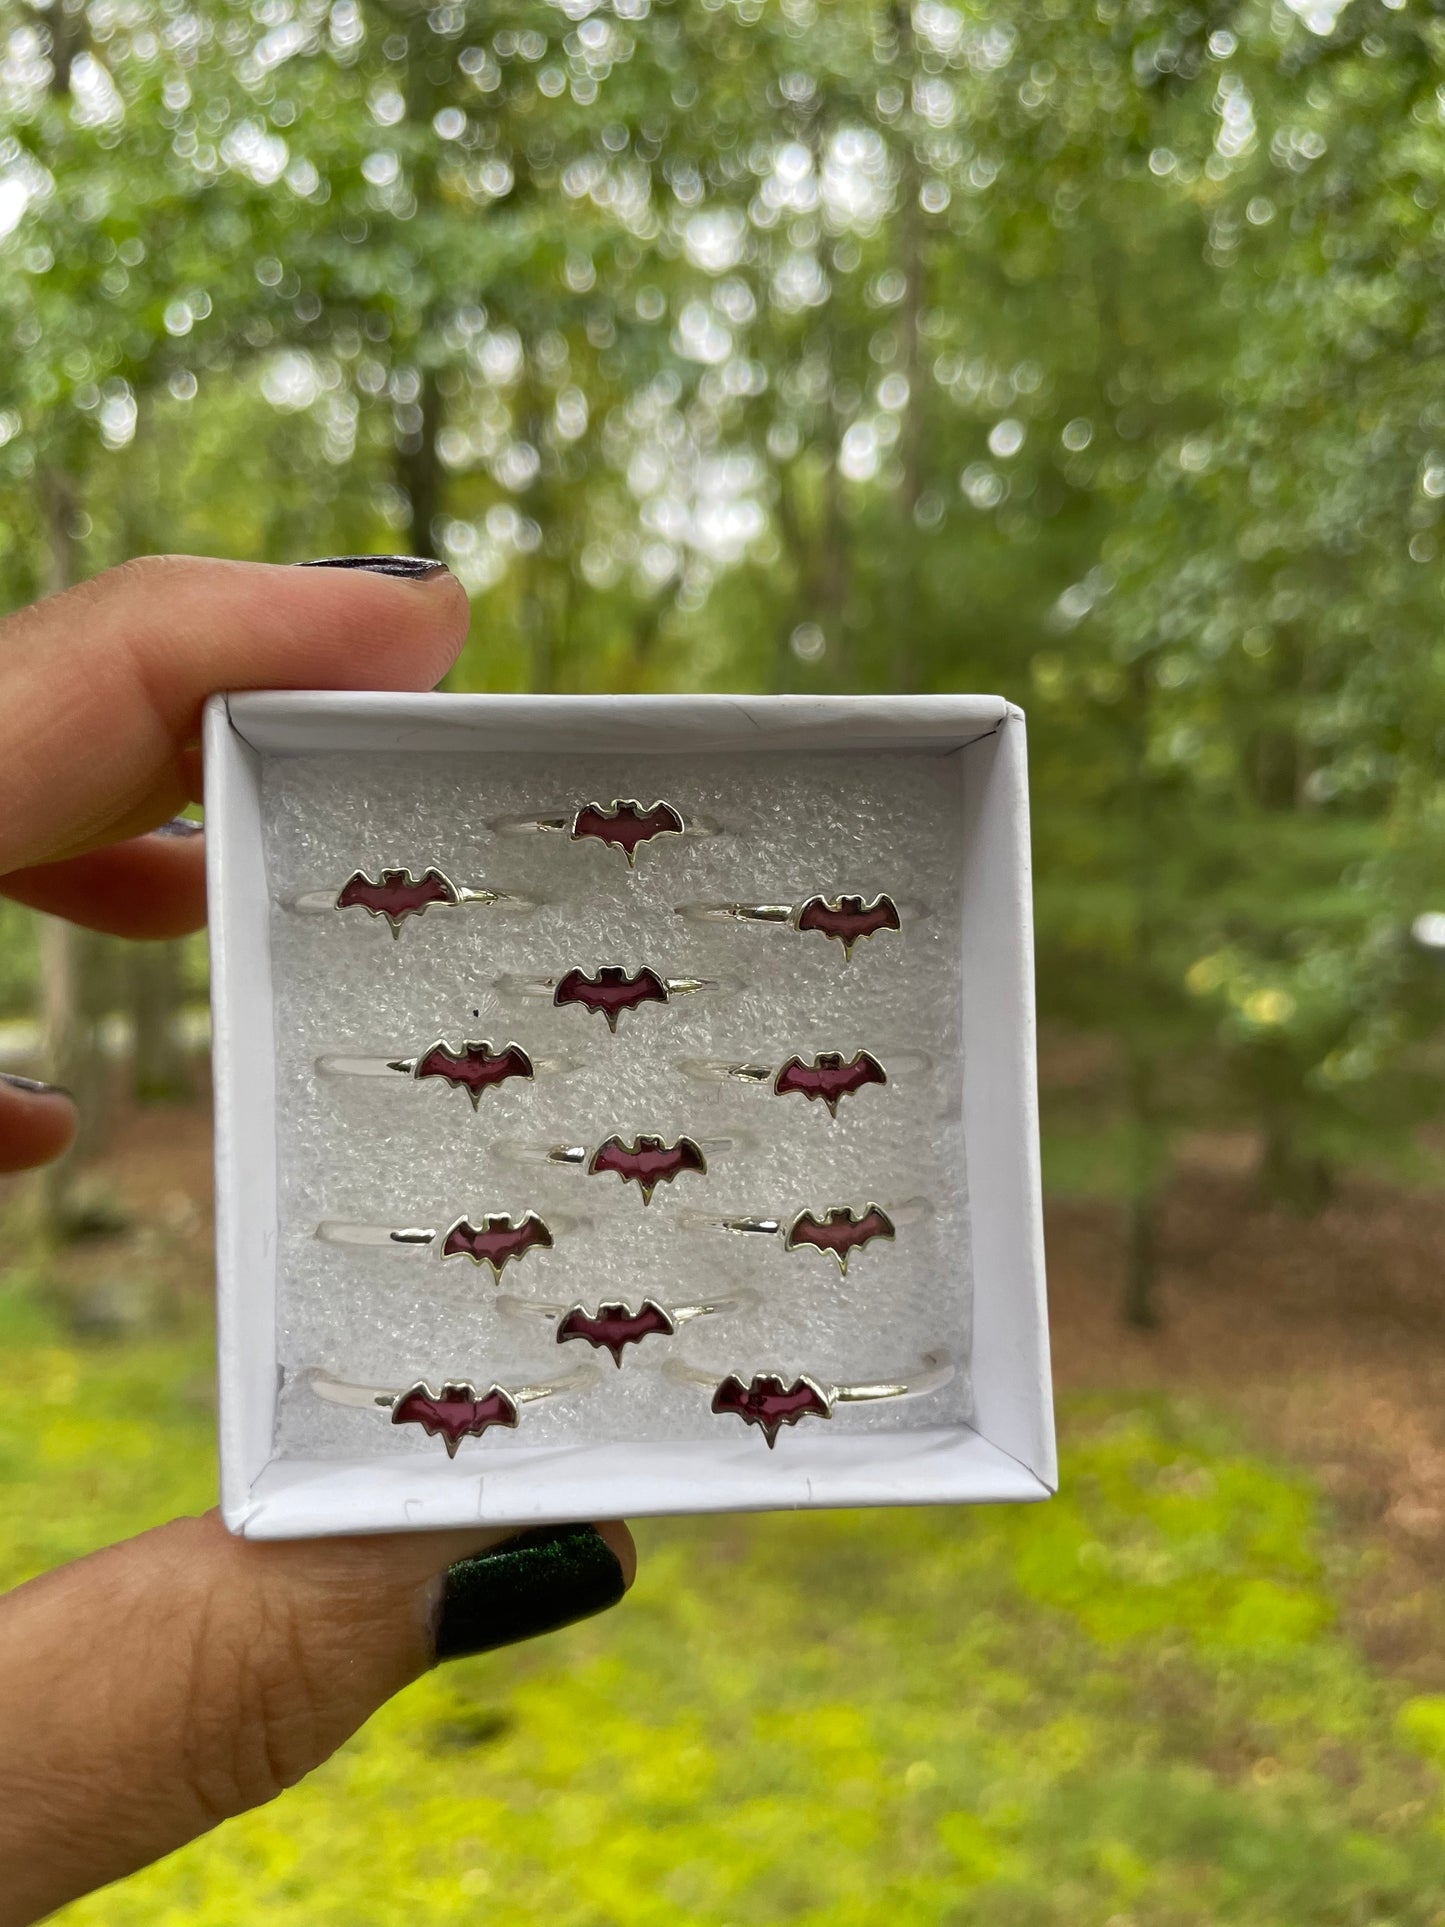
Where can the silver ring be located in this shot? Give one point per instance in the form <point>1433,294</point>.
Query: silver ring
<point>827,1079</point>
<point>771,1400</point>
<point>840,1230</point>
<point>474,1066</point>
<point>846,919</point>
<point>610,990</point>
<point>623,824</point>
<point>494,1238</point>
<point>615,1326</point>
<point>397,895</point>
<point>646,1160</point>
<point>457,1410</point>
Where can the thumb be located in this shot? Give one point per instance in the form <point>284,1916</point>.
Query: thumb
<point>162,1685</point>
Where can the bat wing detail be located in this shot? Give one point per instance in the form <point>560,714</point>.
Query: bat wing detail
<point>840,1232</point>
<point>828,1079</point>
<point>612,1327</point>
<point>395,894</point>
<point>769,1402</point>
<point>476,1067</point>
<point>849,919</point>
<point>611,990</point>
<point>647,1161</point>
<point>458,1411</point>
<point>626,825</point>
<point>496,1241</point>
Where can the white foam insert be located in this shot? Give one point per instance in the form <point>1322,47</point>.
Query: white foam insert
<point>398,1152</point>
<point>305,789</point>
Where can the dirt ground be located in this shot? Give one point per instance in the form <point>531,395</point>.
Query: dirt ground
<point>1326,1335</point>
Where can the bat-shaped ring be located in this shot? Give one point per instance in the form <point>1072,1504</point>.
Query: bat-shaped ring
<point>473,1066</point>
<point>457,1410</point>
<point>827,1078</point>
<point>771,1400</point>
<point>846,919</point>
<point>615,1326</point>
<point>492,1238</point>
<point>646,1160</point>
<point>397,895</point>
<point>610,990</point>
<point>624,824</point>
<point>838,1231</point>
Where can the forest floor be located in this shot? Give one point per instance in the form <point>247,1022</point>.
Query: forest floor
<point>1324,1335</point>
<point>1204,1687</point>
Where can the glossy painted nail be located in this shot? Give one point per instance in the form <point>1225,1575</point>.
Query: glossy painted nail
<point>532,1584</point>
<point>406,568</point>
<point>180,826</point>
<point>32,1085</point>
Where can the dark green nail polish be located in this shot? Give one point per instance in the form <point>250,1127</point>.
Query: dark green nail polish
<point>405,568</point>
<point>533,1584</point>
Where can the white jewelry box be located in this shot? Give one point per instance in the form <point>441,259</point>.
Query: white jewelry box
<point>948,771</point>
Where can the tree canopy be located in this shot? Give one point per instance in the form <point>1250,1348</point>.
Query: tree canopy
<point>1086,353</point>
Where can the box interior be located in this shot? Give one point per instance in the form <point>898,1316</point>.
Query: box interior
<point>928,805</point>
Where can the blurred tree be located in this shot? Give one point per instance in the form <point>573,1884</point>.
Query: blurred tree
<point>1087,354</point>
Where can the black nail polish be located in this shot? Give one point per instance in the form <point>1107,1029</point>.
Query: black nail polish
<point>406,568</point>
<point>533,1584</point>
<point>33,1085</point>
<point>180,826</point>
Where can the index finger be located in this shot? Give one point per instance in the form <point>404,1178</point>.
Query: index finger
<point>101,688</point>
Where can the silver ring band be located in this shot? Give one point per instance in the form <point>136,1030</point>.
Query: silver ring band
<point>395,894</point>
<point>614,1326</point>
<point>846,919</point>
<point>624,824</point>
<point>771,1400</point>
<point>611,989</point>
<point>456,1410</point>
<point>645,1160</point>
<point>473,1066</point>
<point>827,1079</point>
<point>495,1239</point>
<point>838,1230</point>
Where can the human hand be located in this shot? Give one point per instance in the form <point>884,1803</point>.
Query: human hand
<point>155,1688</point>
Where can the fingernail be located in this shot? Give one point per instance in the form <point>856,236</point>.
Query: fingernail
<point>533,1584</point>
<point>408,568</point>
<point>180,826</point>
<point>33,1085</point>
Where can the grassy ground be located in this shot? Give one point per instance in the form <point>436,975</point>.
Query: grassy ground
<point>1134,1706</point>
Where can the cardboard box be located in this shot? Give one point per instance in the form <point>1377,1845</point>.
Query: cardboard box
<point>1005,1452</point>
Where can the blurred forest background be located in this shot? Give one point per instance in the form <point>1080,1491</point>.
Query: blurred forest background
<point>1087,353</point>
<point>1090,354</point>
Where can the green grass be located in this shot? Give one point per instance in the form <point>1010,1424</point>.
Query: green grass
<point>1133,1707</point>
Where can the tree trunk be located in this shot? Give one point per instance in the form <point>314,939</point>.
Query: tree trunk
<point>418,468</point>
<point>78,969</point>
<point>160,1070</point>
<point>908,227</point>
<point>1141,1215</point>
<point>1296,1179</point>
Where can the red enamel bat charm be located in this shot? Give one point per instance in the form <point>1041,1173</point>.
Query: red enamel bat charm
<point>395,895</point>
<point>849,919</point>
<point>828,1079</point>
<point>626,825</point>
<point>648,1161</point>
<point>840,1232</point>
<point>610,990</point>
<point>612,1327</point>
<point>476,1067</point>
<point>769,1403</point>
<point>496,1241</point>
<point>458,1411</point>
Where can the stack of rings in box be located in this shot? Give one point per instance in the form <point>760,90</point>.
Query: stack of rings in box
<point>770,1397</point>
